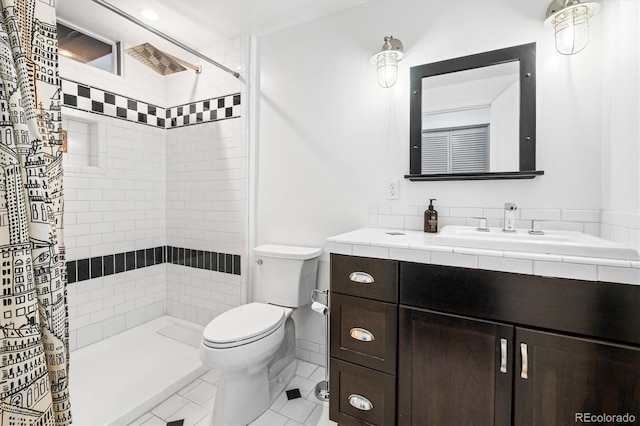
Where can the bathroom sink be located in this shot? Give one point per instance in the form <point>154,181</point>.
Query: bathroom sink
<point>552,242</point>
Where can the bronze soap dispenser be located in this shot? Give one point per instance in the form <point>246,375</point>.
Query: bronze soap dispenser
<point>431,218</point>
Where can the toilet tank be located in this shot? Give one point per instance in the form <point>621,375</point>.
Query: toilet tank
<point>286,274</point>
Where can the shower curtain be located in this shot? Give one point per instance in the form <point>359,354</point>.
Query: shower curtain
<point>34,363</point>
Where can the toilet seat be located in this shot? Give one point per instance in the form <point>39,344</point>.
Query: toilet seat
<point>243,324</point>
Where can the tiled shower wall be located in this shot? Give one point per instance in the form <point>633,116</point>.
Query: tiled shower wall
<point>207,184</point>
<point>207,210</point>
<point>112,209</point>
<point>123,268</point>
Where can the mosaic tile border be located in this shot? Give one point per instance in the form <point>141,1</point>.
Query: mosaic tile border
<point>101,266</point>
<point>95,100</point>
<point>214,109</point>
<point>92,99</point>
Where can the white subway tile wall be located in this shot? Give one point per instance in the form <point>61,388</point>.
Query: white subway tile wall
<point>207,209</point>
<point>198,295</point>
<point>621,227</point>
<point>412,217</point>
<point>121,207</point>
<point>102,307</point>
<point>184,87</point>
<point>118,205</point>
<point>312,352</point>
<point>114,209</point>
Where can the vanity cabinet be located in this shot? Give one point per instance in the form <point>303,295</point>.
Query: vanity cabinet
<point>457,370</point>
<point>490,348</point>
<point>483,348</point>
<point>363,340</point>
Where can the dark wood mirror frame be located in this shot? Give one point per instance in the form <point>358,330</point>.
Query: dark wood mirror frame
<point>526,55</point>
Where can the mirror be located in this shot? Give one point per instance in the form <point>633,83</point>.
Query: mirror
<point>474,117</point>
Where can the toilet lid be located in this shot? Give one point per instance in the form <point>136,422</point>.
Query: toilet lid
<point>244,323</point>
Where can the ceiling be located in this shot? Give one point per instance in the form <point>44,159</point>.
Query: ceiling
<point>197,23</point>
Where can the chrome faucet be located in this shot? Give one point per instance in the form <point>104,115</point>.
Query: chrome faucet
<point>509,217</point>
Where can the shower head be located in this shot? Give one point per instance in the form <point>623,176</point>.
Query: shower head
<point>159,61</point>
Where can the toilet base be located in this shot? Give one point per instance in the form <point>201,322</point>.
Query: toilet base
<point>243,395</point>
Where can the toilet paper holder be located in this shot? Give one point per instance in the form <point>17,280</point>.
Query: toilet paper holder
<point>322,388</point>
<point>316,305</point>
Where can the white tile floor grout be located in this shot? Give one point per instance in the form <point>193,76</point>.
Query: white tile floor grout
<point>194,403</point>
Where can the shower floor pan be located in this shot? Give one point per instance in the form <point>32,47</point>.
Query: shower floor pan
<point>116,380</point>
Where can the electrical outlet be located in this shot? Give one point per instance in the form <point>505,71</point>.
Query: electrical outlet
<point>392,189</point>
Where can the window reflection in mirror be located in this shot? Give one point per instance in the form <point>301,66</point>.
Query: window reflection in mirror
<point>470,120</point>
<point>474,117</point>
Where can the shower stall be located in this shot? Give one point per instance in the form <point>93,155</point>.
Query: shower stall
<point>156,217</point>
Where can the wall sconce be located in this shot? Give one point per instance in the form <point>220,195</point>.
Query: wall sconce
<point>571,21</point>
<point>387,61</point>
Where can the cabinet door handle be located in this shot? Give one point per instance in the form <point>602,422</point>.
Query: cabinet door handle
<point>361,277</point>
<point>503,355</point>
<point>361,334</point>
<point>360,402</point>
<point>524,373</point>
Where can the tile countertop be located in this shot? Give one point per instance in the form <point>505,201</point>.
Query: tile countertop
<point>417,246</point>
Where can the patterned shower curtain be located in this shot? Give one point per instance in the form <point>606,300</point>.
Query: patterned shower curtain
<point>34,368</point>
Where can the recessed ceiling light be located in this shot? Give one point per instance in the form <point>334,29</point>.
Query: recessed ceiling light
<point>149,15</point>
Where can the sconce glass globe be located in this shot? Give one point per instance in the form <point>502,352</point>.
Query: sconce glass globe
<point>387,61</point>
<point>570,18</point>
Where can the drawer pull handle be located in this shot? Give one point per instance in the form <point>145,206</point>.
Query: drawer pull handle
<point>361,334</point>
<point>524,373</point>
<point>361,277</point>
<point>503,355</point>
<point>360,402</point>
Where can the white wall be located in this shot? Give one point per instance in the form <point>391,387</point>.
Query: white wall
<point>329,132</point>
<point>621,126</point>
<point>330,138</point>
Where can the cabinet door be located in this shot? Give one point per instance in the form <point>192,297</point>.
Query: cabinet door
<point>561,380</point>
<point>453,370</point>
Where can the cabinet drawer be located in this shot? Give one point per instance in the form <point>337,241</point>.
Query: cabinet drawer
<point>365,277</point>
<point>364,332</point>
<point>360,396</point>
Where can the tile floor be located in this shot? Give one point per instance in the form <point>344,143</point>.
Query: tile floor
<point>194,402</point>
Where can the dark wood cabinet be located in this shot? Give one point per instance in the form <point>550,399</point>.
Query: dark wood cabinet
<point>560,379</point>
<point>363,341</point>
<point>482,348</point>
<point>453,370</point>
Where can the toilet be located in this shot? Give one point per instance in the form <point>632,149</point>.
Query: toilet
<point>253,345</point>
